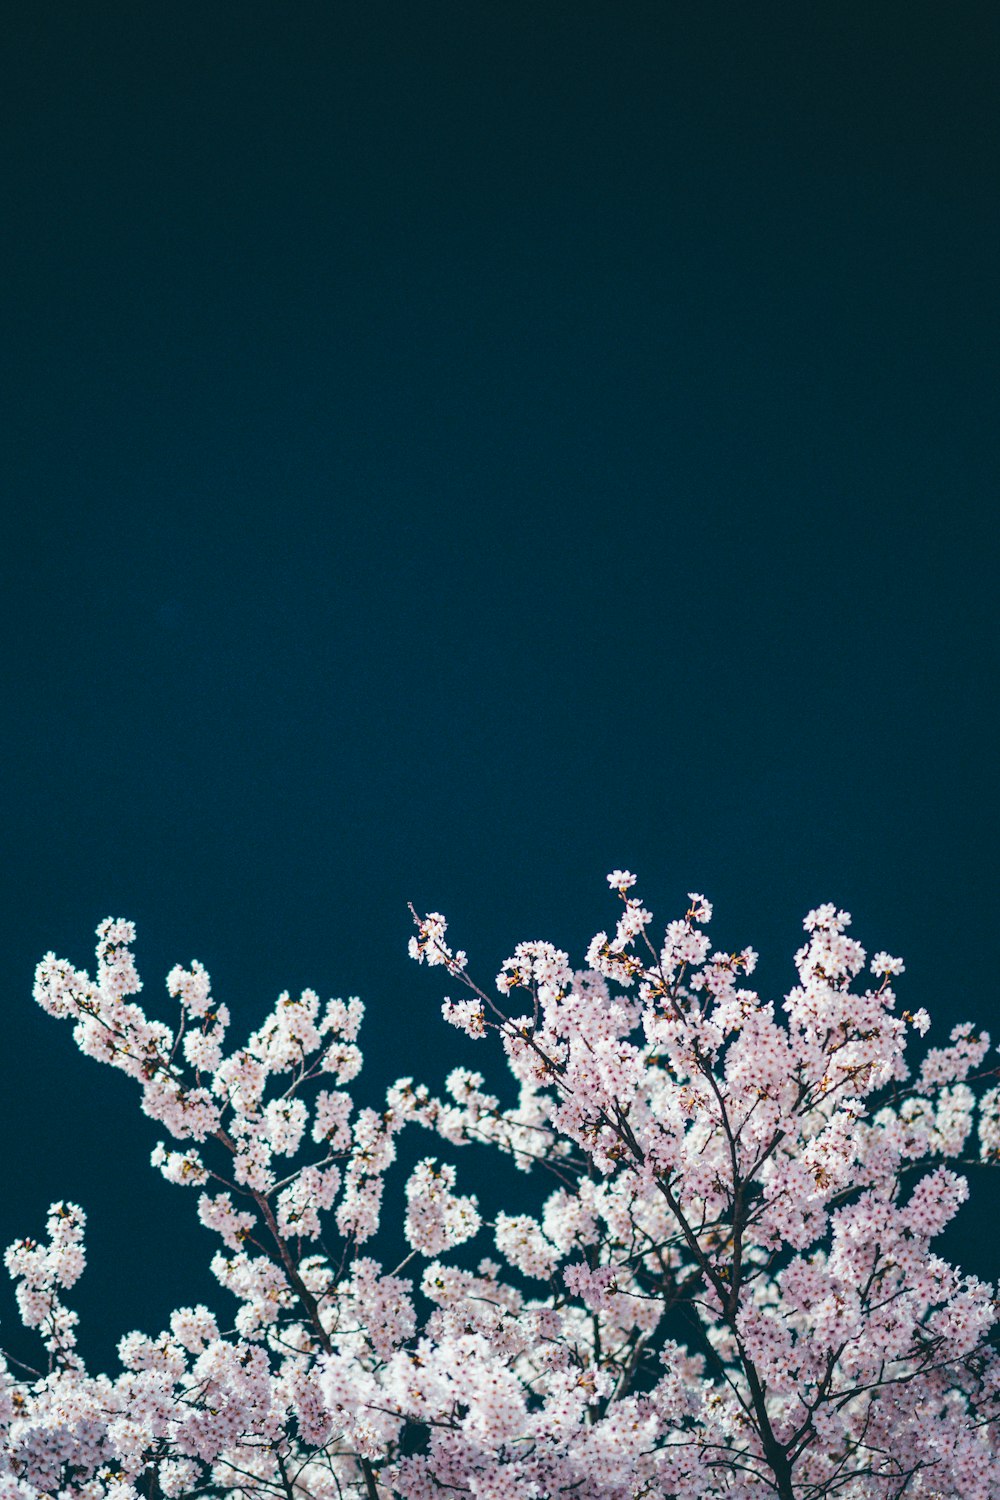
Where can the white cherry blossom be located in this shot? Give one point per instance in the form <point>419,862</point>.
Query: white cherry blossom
<point>767,1173</point>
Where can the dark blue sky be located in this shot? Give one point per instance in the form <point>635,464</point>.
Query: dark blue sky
<point>454,449</point>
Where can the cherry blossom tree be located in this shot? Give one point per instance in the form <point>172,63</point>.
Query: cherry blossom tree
<point>730,1289</point>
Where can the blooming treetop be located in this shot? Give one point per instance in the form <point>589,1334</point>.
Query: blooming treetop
<point>730,1290</point>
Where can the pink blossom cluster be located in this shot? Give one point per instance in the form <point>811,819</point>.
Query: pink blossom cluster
<point>728,1289</point>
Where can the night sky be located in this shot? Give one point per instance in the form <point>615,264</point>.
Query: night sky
<point>451,450</point>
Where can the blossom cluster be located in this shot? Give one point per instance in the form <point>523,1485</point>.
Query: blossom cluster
<point>730,1288</point>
